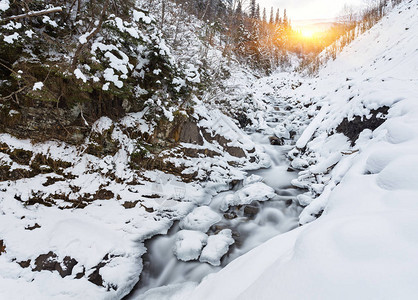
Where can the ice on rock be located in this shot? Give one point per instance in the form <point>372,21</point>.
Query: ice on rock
<point>252,179</point>
<point>304,199</point>
<point>201,219</point>
<point>299,163</point>
<point>189,244</point>
<point>281,132</point>
<point>217,246</point>
<point>257,191</point>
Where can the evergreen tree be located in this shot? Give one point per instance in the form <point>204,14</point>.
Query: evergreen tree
<point>253,8</point>
<point>278,17</point>
<point>257,12</point>
<point>271,16</point>
<point>264,15</point>
<point>238,11</point>
<point>285,20</point>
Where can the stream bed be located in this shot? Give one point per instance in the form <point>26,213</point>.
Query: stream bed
<point>251,225</point>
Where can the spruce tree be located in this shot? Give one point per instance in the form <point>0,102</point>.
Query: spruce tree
<point>285,20</point>
<point>238,11</point>
<point>277,17</point>
<point>264,15</point>
<point>257,12</point>
<point>253,8</point>
<point>271,16</point>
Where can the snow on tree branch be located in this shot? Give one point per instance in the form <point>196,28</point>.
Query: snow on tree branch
<point>34,14</point>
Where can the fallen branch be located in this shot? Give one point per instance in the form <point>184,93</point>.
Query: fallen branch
<point>350,152</point>
<point>33,14</point>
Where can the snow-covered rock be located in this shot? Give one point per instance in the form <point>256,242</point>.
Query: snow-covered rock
<point>200,219</point>
<point>189,244</point>
<point>217,246</point>
<point>257,191</point>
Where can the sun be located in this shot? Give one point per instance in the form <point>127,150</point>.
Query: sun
<point>307,32</point>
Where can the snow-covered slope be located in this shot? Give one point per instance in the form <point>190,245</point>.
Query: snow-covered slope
<point>365,243</point>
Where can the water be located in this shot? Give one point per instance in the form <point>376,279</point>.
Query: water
<point>253,225</point>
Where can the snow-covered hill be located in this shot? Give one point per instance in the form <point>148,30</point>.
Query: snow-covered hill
<point>360,161</point>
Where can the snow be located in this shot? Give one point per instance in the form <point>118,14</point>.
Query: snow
<point>102,124</point>
<point>189,244</point>
<point>364,244</point>
<point>29,33</point>
<point>140,16</point>
<point>171,292</point>
<point>10,39</point>
<point>110,76</point>
<point>48,20</point>
<point>79,75</point>
<point>4,5</point>
<point>217,246</point>
<point>38,86</point>
<point>200,219</point>
<point>257,191</point>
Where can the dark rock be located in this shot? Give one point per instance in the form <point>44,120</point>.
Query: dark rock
<point>96,278</point>
<point>24,264</point>
<point>80,274</point>
<point>104,194</point>
<point>251,211</point>
<point>353,128</point>
<point>51,180</point>
<point>230,215</point>
<point>2,247</point>
<point>190,133</point>
<point>243,120</point>
<point>50,262</point>
<point>153,196</point>
<point>234,151</point>
<point>33,227</point>
<point>276,141</point>
<point>292,134</point>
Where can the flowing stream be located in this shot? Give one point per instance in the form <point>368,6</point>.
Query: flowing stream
<point>251,226</point>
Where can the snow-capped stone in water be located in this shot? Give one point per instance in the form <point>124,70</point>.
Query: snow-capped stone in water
<point>252,179</point>
<point>217,246</point>
<point>189,244</point>
<point>201,219</point>
<point>304,199</point>
<point>281,132</point>
<point>257,191</point>
<point>299,163</point>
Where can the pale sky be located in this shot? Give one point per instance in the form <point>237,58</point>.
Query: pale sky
<point>308,9</point>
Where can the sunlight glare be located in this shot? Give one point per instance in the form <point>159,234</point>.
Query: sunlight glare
<point>307,33</point>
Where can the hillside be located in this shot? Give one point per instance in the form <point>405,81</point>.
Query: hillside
<point>364,244</point>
